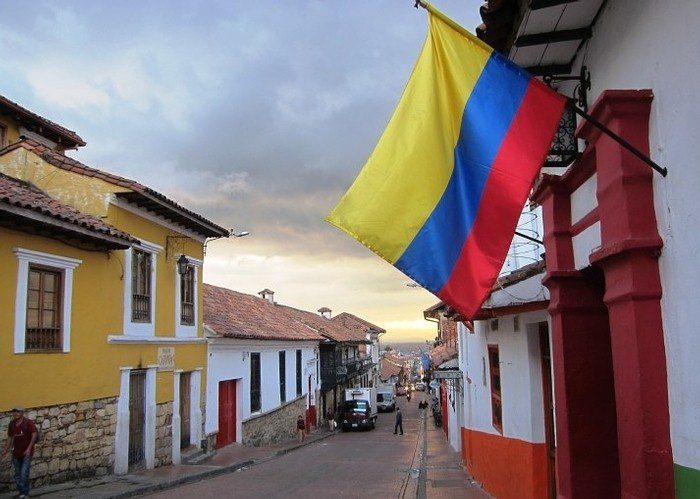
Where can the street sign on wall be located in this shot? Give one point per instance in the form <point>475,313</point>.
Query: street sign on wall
<point>447,374</point>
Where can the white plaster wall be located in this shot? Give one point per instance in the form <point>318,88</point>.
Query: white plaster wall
<point>583,199</point>
<point>652,44</point>
<point>521,378</point>
<point>584,243</point>
<point>230,359</point>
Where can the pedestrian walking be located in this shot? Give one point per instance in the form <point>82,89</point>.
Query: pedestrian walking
<point>301,428</point>
<point>331,420</point>
<point>21,436</point>
<point>399,421</point>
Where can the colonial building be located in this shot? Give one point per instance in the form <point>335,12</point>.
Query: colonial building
<point>262,370</point>
<point>98,314</point>
<point>620,238</point>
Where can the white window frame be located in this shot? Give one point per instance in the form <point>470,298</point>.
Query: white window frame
<point>184,330</point>
<point>140,328</point>
<point>62,263</point>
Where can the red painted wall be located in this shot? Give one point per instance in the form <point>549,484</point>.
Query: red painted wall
<point>506,467</point>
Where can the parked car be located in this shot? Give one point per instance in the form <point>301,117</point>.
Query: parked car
<point>420,386</point>
<point>386,401</point>
<point>357,414</point>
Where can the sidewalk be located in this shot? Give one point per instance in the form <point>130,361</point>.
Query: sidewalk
<point>226,460</point>
<point>441,471</point>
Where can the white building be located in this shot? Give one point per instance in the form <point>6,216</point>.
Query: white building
<point>620,240</point>
<point>507,423</point>
<point>262,368</point>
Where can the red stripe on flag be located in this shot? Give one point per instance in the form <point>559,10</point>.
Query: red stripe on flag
<point>520,157</point>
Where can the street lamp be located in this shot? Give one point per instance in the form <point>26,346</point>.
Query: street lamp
<point>182,265</point>
<point>239,234</point>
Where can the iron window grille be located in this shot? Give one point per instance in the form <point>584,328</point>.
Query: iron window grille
<point>43,331</point>
<point>187,290</point>
<point>140,286</point>
<point>283,376</point>
<point>255,399</point>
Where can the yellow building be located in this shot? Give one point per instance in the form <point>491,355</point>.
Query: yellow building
<point>101,329</point>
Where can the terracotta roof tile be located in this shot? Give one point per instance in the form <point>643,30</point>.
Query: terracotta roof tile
<point>441,354</point>
<point>69,164</point>
<point>238,315</point>
<point>389,366</point>
<point>354,322</point>
<point>328,328</point>
<point>12,107</point>
<point>22,194</point>
<point>231,314</point>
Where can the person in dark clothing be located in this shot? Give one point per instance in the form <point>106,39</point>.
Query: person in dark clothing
<point>21,437</point>
<point>399,421</point>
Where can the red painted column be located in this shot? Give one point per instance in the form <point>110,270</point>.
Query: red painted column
<point>581,358</point>
<point>630,245</point>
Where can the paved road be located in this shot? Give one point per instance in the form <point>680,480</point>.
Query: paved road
<point>375,464</point>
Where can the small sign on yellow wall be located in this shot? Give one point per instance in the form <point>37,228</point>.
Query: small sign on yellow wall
<point>166,358</point>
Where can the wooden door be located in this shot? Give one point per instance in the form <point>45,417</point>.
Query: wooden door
<point>227,413</point>
<point>548,409</point>
<point>137,417</point>
<point>185,410</point>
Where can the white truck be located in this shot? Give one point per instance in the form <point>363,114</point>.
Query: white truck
<point>360,408</point>
<point>386,398</point>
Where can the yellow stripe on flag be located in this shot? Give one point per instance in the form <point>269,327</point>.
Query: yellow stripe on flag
<point>414,157</point>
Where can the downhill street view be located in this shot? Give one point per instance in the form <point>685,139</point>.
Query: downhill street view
<point>349,249</point>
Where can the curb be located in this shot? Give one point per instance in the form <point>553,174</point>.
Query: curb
<point>198,477</point>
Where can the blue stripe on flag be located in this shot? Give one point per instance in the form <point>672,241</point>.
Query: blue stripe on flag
<point>495,100</point>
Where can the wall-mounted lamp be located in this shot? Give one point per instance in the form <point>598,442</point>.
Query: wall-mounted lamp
<point>183,264</point>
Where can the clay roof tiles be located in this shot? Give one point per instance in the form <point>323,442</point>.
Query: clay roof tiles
<point>21,194</point>
<point>72,165</point>
<point>354,322</point>
<point>69,137</point>
<point>231,314</point>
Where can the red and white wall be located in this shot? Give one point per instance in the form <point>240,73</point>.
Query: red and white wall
<point>512,461</point>
<point>647,44</point>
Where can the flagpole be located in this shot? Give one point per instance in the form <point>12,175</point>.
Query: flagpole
<point>624,143</point>
<point>451,23</point>
<point>583,114</point>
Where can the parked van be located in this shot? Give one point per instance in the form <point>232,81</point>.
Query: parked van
<point>386,402</point>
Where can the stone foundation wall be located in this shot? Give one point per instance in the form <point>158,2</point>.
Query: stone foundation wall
<point>274,426</point>
<point>164,434</point>
<point>77,441</point>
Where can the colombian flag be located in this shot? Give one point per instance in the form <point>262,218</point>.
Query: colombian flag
<point>440,196</point>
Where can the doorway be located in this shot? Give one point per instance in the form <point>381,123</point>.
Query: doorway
<point>185,382</point>
<point>137,417</point>
<point>227,413</point>
<point>548,401</point>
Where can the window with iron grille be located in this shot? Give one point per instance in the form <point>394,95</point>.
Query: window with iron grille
<point>298,372</point>
<point>187,290</point>
<point>140,286</point>
<point>283,376</point>
<point>495,375</point>
<point>43,309</point>
<point>255,399</point>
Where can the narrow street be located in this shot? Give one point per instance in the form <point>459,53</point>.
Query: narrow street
<point>353,464</point>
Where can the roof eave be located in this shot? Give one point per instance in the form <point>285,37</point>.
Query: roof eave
<point>101,240</point>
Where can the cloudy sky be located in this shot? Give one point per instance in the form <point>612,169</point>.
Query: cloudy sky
<point>256,114</point>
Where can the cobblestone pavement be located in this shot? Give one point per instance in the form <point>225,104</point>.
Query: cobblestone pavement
<point>374,464</point>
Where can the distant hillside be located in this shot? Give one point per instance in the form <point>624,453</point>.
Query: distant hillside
<point>406,346</point>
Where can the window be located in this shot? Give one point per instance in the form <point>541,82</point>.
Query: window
<point>298,372</point>
<point>495,375</point>
<point>283,376</point>
<point>140,286</point>
<point>3,135</point>
<point>187,290</point>
<point>43,301</point>
<point>43,309</point>
<point>255,400</point>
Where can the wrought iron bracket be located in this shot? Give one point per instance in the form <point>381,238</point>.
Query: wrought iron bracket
<point>580,91</point>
